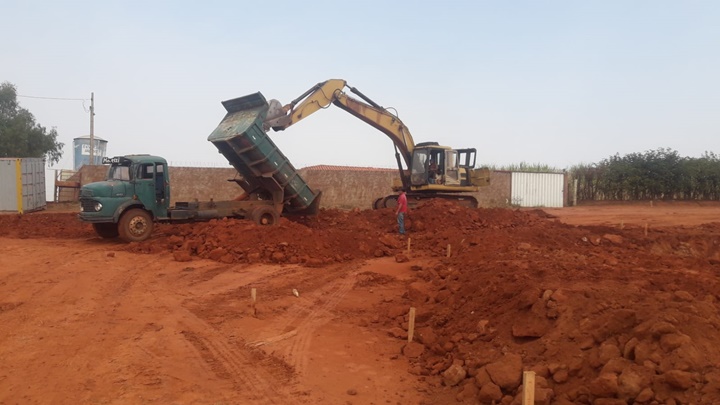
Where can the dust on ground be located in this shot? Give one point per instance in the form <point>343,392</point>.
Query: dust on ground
<point>613,304</point>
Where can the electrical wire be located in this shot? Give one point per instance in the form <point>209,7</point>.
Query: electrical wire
<point>55,98</point>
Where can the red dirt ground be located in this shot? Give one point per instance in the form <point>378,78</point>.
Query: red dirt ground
<point>608,304</point>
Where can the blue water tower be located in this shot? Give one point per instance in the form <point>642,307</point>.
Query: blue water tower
<point>81,151</point>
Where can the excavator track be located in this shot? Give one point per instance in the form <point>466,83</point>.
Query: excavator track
<point>417,199</point>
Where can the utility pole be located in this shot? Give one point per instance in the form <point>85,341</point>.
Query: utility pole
<point>92,128</point>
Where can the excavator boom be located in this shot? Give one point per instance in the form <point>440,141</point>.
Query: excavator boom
<point>331,91</point>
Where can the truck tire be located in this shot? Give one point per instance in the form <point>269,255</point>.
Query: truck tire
<point>107,230</point>
<point>265,215</point>
<point>135,225</point>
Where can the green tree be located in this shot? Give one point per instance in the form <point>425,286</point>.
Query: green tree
<point>20,135</point>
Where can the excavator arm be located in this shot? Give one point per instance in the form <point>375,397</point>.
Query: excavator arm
<point>323,94</point>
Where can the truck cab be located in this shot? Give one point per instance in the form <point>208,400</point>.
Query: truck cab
<point>135,192</point>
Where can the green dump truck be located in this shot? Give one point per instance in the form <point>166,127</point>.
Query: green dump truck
<point>136,191</point>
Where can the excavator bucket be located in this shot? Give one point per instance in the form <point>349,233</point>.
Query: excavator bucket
<point>249,102</point>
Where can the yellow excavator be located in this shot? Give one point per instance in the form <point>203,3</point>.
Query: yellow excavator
<point>430,171</point>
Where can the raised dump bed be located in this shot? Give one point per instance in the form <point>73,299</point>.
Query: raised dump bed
<point>241,139</point>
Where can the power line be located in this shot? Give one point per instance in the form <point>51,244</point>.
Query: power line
<point>56,98</point>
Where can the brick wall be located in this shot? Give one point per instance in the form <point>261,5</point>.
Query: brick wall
<point>342,187</point>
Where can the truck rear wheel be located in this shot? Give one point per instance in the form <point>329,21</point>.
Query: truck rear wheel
<point>135,225</point>
<point>265,216</point>
<point>106,230</point>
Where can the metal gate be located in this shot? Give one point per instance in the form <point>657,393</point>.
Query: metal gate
<point>537,189</point>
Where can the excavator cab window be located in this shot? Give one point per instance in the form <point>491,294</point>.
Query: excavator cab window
<point>452,175</point>
<point>418,172</point>
<point>467,157</point>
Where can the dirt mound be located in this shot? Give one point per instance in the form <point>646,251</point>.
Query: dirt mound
<point>44,225</point>
<point>601,314</point>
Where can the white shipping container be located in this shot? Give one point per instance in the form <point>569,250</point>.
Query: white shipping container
<point>537,189</point>
<point>22,184</point>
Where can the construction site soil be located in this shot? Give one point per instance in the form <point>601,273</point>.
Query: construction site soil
<point>607,304</point>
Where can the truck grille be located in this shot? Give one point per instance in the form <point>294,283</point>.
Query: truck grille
<point>87,205</point>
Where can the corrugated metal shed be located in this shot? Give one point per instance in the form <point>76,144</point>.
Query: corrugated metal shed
<point>537,189</point>
<point>22,184</point>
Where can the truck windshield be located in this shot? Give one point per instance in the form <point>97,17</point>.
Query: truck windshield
<point>119,173</point>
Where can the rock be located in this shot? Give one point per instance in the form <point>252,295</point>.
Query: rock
<point>506,372</point>
<point>482,377</point>
<point>561,376</point>
<point>413,350</point>
<point>611,324</point>
<point>616,239</point>
<point>278,257</point>
<point>661,328</point>
<point>182,256</point>
<point>490,392</point>
<point>672,341</point>
<point>112,254</point>
<point>217,253</point>
<point>607,352</point>
<point>541,370</point>
<point>524,246</point>
<point>378,253</point>
<point>453,375</point>
<point>544,396</point>
<point>352,391</point>
<point>645,350</point>
<point>679,379</point>
<point>468,392</point>
<point>390,241</point>
<point>683,296</point>
<point>630,383</point>
<point>253,257</point>
<point>401,258</point>
<point>398,333</point>
<point>605,386</point>
<point>646,395</point>
<point>426,336</point>
<point>541,382</point>
<point>629,349</point>
<point>555,367</point>
<point>527,298</point>
<point>615,365</point>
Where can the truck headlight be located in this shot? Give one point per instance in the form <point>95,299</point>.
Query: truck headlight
<point>98,206</point>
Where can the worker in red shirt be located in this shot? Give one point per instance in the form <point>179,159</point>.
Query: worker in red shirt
<point>401,210</point>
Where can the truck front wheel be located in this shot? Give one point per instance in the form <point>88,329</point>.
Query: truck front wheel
<point>135,225</point>
<point>265,215</point>
<point>106,230</point>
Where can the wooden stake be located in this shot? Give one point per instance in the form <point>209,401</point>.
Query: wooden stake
<point>411,324</point>
<point>528,397</point>
<point>448,250</point>
<point>408,248</point>
<point>253,299</point>
<point>622,224</point>
<point>646,228</point>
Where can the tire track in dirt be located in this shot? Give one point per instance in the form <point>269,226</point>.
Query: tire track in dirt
<point>298,351</point>
<point>235,364</point>
<point>307,318</point>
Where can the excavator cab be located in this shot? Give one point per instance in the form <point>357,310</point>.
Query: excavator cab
<point>435,165</point>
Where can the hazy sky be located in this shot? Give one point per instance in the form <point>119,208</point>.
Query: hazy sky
<point>552,82</point>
